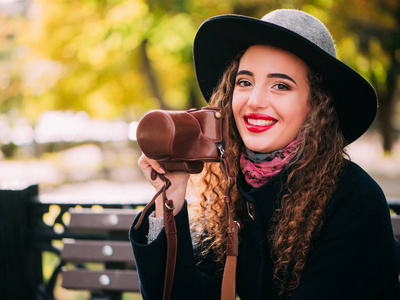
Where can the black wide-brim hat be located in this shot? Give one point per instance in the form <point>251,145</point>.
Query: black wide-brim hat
<point>219,39</point>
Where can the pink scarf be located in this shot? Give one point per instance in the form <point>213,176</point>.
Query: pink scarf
<point>259,168</point>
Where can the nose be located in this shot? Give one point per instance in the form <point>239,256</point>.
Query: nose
<point>258,98</point>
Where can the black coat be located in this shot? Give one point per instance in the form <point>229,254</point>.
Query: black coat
<point>353,258</point>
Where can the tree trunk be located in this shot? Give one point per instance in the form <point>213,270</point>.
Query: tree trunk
<point>385,124</point>
<point>151,76</point>
<point>386,105</point>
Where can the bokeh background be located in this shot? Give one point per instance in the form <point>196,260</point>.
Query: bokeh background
<point>77,75</point>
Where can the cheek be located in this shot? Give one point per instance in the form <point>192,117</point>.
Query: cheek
<point>236,107</point>
<point>298,108</point>
<point>305,109</point>
<point>302,114</point>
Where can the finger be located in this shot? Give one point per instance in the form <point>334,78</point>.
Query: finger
<point>153,174</point>
<point>147,164</point>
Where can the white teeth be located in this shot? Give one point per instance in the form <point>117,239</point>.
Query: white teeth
<point>259,122</point>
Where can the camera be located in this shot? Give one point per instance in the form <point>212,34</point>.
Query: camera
<point>184,140</point>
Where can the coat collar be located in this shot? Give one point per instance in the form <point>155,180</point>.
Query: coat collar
<point>259,204</point>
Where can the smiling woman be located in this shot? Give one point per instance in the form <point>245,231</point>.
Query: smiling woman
<point>314,225</point>
<point>270,98</point>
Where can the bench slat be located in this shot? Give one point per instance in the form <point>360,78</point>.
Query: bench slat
<point>108,219</point>
<point>114,251</point>
<point>106,280</point>
<point>396,226</point>
<point>97,251</point>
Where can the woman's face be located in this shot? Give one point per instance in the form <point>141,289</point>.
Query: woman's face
<point>270,98</point>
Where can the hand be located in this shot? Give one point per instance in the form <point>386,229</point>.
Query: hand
<point>177,190</point>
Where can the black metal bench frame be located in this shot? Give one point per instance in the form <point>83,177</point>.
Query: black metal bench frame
<point>24,237</point>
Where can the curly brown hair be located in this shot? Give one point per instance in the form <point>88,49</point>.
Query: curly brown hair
<point>311,180</point>
<point>210,216</point>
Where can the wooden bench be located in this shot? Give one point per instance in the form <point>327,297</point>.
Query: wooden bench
<point>396,226</point>
<point>103,239</point>
<point>106,243</point>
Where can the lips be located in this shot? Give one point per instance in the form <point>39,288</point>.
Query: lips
<point>259,122</point>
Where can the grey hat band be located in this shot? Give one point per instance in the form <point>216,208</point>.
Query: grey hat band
<point>305,25</point>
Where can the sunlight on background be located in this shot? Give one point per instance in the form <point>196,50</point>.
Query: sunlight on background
<point>70,146</point>
<point>76,76</point>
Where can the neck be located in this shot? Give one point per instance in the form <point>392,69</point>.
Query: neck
<point>259,168</point>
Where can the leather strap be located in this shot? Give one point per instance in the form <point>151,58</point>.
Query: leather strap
<point>228,289</point>
<point>153,177</point>
<point>172,241</point>
<point>170,231</point>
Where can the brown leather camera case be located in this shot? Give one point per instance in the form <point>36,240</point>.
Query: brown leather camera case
<point>182,140</point>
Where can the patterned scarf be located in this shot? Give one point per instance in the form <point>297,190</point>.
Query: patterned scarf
<point>259,168</point>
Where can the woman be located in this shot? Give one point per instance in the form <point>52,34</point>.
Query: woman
<point>313,224</point>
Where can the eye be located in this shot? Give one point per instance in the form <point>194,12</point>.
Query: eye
<point>281,86</point>
<point>243,82</point>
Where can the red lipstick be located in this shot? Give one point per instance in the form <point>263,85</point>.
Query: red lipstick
<point>258,127</point>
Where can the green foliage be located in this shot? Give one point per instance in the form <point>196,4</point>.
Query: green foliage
<point>86,51</point>
<point>120,58</point>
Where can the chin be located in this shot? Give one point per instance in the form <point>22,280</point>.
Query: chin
<point>259,149</point>
<point>266,147</point>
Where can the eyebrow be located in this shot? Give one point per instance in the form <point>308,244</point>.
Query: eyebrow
<point>280,75</point>
<point>270,75</point>
<point>244,72</point>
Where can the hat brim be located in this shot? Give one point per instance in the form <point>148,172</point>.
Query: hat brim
<point>220,38</point>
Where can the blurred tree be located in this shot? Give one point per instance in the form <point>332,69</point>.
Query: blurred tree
<point>82,55</point>
<point>10,79</point>
<point>114,58</point>
<point>120,58</point>
<point>373,27</point>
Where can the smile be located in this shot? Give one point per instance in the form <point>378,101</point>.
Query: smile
<point>259,122</point>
